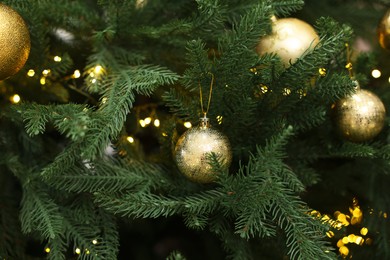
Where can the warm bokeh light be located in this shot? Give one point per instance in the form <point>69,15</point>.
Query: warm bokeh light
<point>376,73</point>
<point>344,250</point>
<point>15,99</point>
<point>47,249</point>
<point>46,72</point>
<point>98,69</point>
<point>187,124</point>
<point>364,231</point>
<point>142,123</point>
<point>148,120</point>
<point>76,74</point>
<point>130,139</point>
<point>78,251</point>
<point>57,59</point>
<point>219,119</point>
<point>156,122</point>
<point>30,73</point>
<point>42,81</point>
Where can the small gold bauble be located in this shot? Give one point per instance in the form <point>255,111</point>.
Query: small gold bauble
<point>14,42</point>
<point>194,146</point>
<point>359,117</point>
<point>290,39</point>
<point>383,31</point>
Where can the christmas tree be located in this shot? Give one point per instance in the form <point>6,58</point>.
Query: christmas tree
<point>206,129</point>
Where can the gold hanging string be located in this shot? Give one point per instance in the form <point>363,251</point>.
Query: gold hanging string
<point>349,63</point>
<point>201,95</point>
<point>349,67</point>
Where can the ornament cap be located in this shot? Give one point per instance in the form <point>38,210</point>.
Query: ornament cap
<point>204,122</point>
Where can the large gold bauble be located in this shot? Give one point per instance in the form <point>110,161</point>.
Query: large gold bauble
<point>359,117</point>
<point>383,31</point>
<point>194,146</point>
<point>290,39</point>
<point>14,42</point>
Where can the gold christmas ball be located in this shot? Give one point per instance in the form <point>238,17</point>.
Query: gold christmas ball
<point>359,117</point>
<point>194,146</point>
<point>290,39</point>
<point>383,31</point>
<point>14,42</point>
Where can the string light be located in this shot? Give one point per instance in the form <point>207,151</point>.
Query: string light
<point>57,59</point>
<point>47,249</point>
<point>219,119</point>
<point>142,123</point>
<point>98,69</point>
<point>156,123</point>
<point>376,73</point>
<point>78,251</point>
<point>42,81</point>
<point>46,72</point>
<point>130,139</point>
<point>263,88</point>
<point>187,124</point>
<point>76,74</point>
<point>94,241</point>
<point>15,99</point>
<point>322,72</point>
<point>148,120</point>
<point>286,91</point>
<point>30,73</point>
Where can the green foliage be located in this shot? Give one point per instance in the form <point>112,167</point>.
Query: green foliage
<point>71,191</point>
<point>40,213</point>
<point>175,256</point>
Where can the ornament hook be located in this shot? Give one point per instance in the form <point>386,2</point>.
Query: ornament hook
<point>349,66</point>
<point>204,112</point>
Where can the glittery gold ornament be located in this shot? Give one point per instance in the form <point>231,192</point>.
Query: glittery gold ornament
<point>383,31</point>
<point>194,146</point>
<point>290,39</point>
<point>359,117</point>
<point>14,42</point>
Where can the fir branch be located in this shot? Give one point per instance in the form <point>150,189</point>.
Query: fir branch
<point>180,105</point>
<point>40,213</point>
<point>109,235</point>
<point>353,150</point>
<point>195,221</point>
<point>71,119</point>
<point>105,176</point>
<point>57,247</point>
<point>236,247</point>
<point>332,39</point>
<point>304,236</point>
<point>284,8</point>
<point>153,206</point>
<point>120,87</point>
<point>36,119</point>
<point>175,255</point>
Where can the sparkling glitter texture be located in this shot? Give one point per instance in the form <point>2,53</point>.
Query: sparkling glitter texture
<point>290,39</point>
<point>14,42</point>
<point>359,117</point>
<point>193,147</point>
